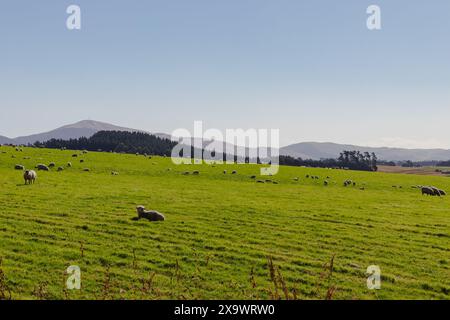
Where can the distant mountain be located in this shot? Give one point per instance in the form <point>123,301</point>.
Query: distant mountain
<point>85,128</point>
<point>304,150</point>
<point>5,140</point>
<point>318,150</point>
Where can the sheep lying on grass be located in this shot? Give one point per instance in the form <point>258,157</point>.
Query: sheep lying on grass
<point>42,167</point>
<point>29,176</point>
<point>149,214</point>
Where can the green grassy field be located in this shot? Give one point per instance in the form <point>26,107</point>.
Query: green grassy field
<point>220,231</point>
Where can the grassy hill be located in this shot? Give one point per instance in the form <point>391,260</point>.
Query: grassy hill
<point>225,236</point>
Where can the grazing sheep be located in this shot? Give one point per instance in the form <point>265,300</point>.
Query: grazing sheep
<point>19,167</point>
<point>69,164</point>
<point>224,171</point>
<point>29,176</point>
<point>436,191</point>
<point>186,173</point>
<point>295,179</point>
<point>260,181</point>
<point>60,169</point>
<point>51,165</point>
<point>81,161</point>
<point>442,192</point>
<point>196,173</point>
<point>253,177</point>
<point>325,183</point>
<point>42,167</point>
<point>234,172</point>
<point>275,182</point>
<point>86,170</point>
<point>114,173</point>
<point>428,191</point>
<point>149,215</point>
<point>74,156</point>
<point>348,182</point>
<point>307,176</point>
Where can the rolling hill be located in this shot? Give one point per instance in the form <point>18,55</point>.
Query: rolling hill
<point>224,234</point>
<point>84,128</point>
<point>304,150</point>
<point>317,150</point>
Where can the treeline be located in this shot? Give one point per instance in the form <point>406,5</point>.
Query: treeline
<point>143,143</point>
<point>115,141</point>
<point>417,164</point>
<point>352,160</point>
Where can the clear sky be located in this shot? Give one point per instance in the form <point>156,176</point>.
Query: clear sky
<point>308,67</point>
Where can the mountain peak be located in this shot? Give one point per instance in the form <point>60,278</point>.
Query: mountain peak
<point>95,125</point>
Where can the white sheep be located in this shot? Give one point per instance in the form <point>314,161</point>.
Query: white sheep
<point>149,215</point>
<point>29,176</point>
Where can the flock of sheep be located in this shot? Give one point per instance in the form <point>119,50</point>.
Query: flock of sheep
<point>432,191</point>
<point>30,177</point>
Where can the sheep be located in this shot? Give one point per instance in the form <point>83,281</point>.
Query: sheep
<point>86,170</point>
<point>325,183</point>
<point>29,176</point>
<point>149,215</point>
<point>81,161</point>
<point>19,167</point>
<point>60,169</point>
<point>436,191</point>
<point>349,182</point>
<point>224,171</point>
<point>42,167</point>
<point>253,177</point>
<point>234,172</point>
<point>260,181</point>
<point>74,155</point>
<point>51,165</point>
<point>295,179</point>
<point>442,192</point>
<point>114,173</point>
<point>69,164</point>
<point>196,172</point>
<point>428,191</point>
<point>186,173</point>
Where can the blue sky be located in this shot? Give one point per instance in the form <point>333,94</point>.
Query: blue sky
<point>310,68</point>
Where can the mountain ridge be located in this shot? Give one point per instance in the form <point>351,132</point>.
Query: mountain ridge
<point>304,150</point>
